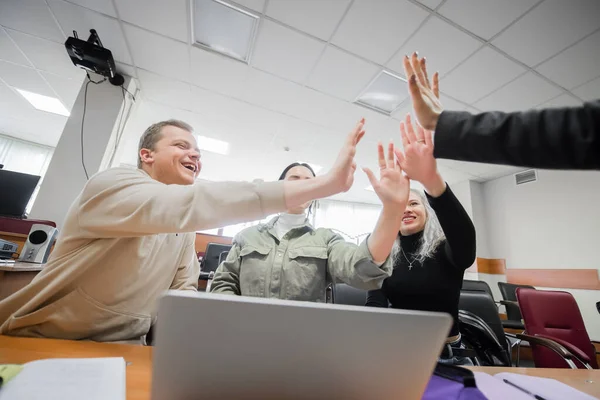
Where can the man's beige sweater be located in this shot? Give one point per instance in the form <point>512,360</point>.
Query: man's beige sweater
<point>126,239</point>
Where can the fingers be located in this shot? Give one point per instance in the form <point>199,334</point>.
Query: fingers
<point>415,93</point>
<point>408,69</point>
<point>424,69</point>
<point>420,133</point>
<point>410,132</point>
<point>381,156</point>
<point>428,138</point>
<point>360,136</point>
<point>404,136</point>
<point>357,133</point>
<point>399,158</point>
<point>391,159</point>
<point>414,61</point>
<point>436,84</point>
<point>371,176</point>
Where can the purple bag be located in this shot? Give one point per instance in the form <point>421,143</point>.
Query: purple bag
<point>452,383</point>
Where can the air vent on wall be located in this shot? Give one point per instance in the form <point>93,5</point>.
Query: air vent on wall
<point>526,177</point>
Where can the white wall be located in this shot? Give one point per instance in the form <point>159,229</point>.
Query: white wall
<point>553,223</point>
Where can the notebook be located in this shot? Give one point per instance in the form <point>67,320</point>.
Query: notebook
<point>65,379</point>
<point>496,388</point>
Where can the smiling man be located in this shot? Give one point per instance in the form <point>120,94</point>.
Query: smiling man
<point>129,236</point>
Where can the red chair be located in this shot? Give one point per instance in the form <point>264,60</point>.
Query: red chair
<point>554,328</point>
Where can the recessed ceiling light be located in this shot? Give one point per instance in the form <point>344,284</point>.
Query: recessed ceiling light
<point>44,103</point>
<point>224,28</point>
<point>385,93</point>
<point>315,167</point>
<point>213,145</point>
<point>370,188</point>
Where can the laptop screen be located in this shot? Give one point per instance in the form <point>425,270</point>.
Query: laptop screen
<point>16,189</point>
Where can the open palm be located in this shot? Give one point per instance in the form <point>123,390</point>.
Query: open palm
<point>417,161</point>
<point>393,186</point>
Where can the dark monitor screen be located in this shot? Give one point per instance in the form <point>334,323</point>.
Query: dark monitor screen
<point>16,189</point>
<point>210,261</point>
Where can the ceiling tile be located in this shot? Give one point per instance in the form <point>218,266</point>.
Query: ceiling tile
<point>451,104</point>
<point>125,69</point>
<point>216,72</point>
<point>375,30</point>
<point>319,18</point>
<point>576,65</point>
<point>548,29</point>
<point>9,51</point>
<point>341,74</point>
<point>30,16</point>
<point>158,54</point>
<point>271,92</point>
<point>431,3</point>
<point>24,78</point>
<point>441,57</point>
<point>102,6</point>
<point>472,80</point>
<point>255,5</point>
<point>284,52</point>
<point>166,18</point>
<point>523,93</point>
<point>46,55</point>
<point>13,104</point>
<point>165,90</point>
<point>66,88</point>
<point>73,18</point>
<point>564,100</point>
<point>485,18</point>
<point>589,91</point>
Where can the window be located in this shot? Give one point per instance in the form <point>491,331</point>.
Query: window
<point>26,157</point>
<point>354,221</point>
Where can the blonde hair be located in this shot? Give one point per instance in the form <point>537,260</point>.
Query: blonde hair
<point>433,235</point>
<point>154,133</point>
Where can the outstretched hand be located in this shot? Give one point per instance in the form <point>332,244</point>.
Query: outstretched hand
<point>418,161</point>
<point>393,186</point>
<point>341,175</point>
<point>425,96</point>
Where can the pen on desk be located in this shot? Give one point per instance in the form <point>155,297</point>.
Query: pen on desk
<point>535,396</point>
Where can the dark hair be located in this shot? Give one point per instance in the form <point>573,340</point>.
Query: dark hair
<point>311,208</point>
<point>296,164</point>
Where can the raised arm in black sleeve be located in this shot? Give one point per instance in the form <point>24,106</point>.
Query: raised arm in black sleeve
<point>376,298</point>
<point>559,138</point>
<point>460,243</point>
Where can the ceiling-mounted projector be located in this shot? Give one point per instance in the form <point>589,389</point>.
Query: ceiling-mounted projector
<point>92,56</point>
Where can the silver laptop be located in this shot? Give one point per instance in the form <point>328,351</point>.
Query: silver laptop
<point>211,346</point>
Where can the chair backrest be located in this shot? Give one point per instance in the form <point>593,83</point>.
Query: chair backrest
<point>555,314</point>
<point>345,294</point>
<point>509,292</point>
<point>482,304</point>
<point>477,285</point>
<point>210,262</point>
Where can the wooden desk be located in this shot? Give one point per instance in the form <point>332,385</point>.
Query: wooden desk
<point>139,372</point>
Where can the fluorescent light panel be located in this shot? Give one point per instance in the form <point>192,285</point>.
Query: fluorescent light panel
<point>385,93</point>
<point>223,28</point>
<point>213,145</point>
<point>315,167</point>
<point>44,103</point>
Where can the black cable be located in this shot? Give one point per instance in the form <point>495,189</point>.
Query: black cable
<point>82,121</point>
<point>89,80</point>
<point>131,94</point>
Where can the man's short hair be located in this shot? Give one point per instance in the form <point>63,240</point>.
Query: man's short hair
<point>153,134</point>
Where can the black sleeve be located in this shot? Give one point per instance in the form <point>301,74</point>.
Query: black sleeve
<point>559,138</point>
<point>376,298</point>
<point>458,228</point>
